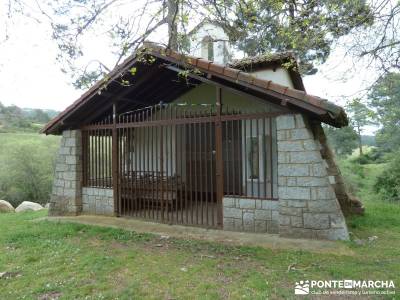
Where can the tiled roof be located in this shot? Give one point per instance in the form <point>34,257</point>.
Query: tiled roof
<point>249,62</point>
<point>332,113</point>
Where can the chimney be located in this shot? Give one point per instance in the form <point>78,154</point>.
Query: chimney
<point>209,41</point>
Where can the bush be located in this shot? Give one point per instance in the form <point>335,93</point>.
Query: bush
<point>353,174</point>
<point>27,164</point>
<point>388,183</point>
<point>373,156</point>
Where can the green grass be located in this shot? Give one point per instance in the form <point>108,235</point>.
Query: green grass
<point>78,261</point>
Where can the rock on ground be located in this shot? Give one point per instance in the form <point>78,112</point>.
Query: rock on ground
<point>28,206</point>
<point>5,207</point>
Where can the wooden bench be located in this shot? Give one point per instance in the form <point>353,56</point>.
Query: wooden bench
<point>152,189</point>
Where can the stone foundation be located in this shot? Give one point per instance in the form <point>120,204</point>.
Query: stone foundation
<point>308,206</point>
<point>251,215</point>
<point>66,197</point>
<point>97,201</point>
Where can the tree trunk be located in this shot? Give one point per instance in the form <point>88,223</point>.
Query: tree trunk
<point>172,24</point>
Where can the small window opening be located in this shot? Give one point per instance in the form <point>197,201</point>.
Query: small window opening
<point>207,48</point>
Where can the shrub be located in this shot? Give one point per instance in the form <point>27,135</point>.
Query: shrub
<point>388,183</point>
<point>27,164</point>
<point>373,156</point>
<point>353,174</point>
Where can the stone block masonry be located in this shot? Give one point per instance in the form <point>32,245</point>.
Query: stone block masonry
<point>308,206</point>
<point>66,197</point>
<point>251,215</point>
<point>97,201</point>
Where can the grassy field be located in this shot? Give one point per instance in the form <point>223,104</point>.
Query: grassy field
<point>46,259</point>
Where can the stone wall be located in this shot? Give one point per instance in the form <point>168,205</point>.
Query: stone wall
<point>66,198</point>
<point>308,206</point>
<point>97,201</point>
<point>251,215</point>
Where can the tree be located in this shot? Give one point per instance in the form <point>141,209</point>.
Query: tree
<point>39,116</point>
<point>380,43</point>
<point>342,140</point>
<point>360,116</point>
<point>308,28</point>
<point>385,99</point>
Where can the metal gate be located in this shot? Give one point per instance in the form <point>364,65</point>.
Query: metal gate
<point>167,165</point>
<point>174,163</point>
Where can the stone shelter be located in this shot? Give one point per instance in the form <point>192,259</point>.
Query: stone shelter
<point>178,139</point>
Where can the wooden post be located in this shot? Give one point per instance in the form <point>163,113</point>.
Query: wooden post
<point>218,157</point>
<point>115,177</point>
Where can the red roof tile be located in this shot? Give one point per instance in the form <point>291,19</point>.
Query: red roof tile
<point>333,111</point>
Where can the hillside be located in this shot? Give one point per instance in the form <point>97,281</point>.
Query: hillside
<point>14,118</point>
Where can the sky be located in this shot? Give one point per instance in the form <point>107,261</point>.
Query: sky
<point>31,77</point>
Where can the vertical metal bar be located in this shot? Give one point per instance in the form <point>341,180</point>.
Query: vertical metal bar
<point>212,172</point>
<point>127,168</point>
<point>152,179</point>
<point>122,148</point>
<point>102,158</point>
<point>182,185</point>
<point>265,159</point>
<point>110,147</point>
<point>155,138</point>
<point>225,135</point>
<point>147,155</point>
<point>232,155</point>
<point>202,175</point>
<point>167,139</point>
<point>246,146</point>
<point>169,176</point>
<point>117,201</point>
<point>190,169</point>
<point>134,173</point>
<point>239,146</point>
<point>185,146</point>
<point>206,174</point>
<point>92,158</point>
<point>251,160</point>
<point>98,158</point>
<point>271,156</point>
<point>134,166</point>
<point>162,170</point>
<point>142,203</point>
<point>196,175</point>
<point>177,177</point>
<point>95,157</point>
<point>89,157</point>
<point>258,156</point>
<point>120,175</point>
<point>219,157</point>
<point>133,177</point>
